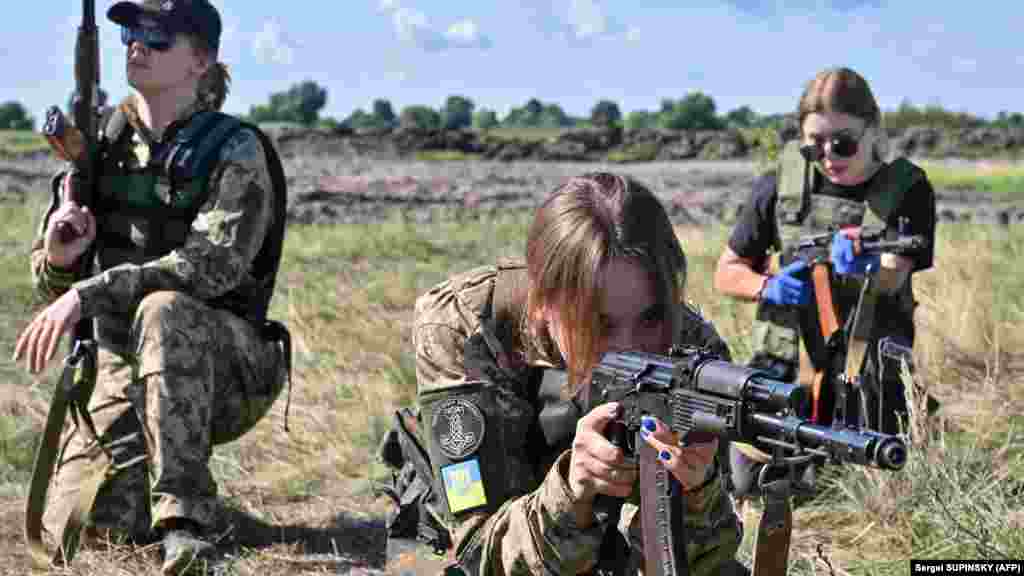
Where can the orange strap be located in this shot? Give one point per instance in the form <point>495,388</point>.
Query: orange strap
<point>828,322</point>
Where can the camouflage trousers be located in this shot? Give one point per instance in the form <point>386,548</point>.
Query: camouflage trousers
<point>192,377</point>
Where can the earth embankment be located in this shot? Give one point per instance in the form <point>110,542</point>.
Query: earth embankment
<point>328,189</point>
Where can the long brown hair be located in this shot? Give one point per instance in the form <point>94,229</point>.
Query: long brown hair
<point>582,226</point>
<point>843,91</point>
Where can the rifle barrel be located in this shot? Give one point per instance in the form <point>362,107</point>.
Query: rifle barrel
<point>863,447</point>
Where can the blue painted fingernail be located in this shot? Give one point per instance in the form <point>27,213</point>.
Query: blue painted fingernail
<point>665,456</point>
<point>648,423</point>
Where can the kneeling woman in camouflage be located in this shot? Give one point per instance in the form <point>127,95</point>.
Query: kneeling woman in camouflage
<point>604,271</point>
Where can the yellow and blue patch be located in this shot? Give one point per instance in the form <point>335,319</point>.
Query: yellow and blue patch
<point>463,486</point>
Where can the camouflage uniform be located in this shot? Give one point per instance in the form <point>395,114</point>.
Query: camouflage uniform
<point>176,373</point>
<point>529,527</point>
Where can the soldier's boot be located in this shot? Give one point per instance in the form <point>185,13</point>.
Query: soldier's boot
<point>184,549</point>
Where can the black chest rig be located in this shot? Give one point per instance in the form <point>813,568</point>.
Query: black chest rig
<point>802,210</point>
<point>149,204</point>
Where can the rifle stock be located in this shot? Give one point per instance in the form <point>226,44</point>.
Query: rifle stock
<point>78,143</point>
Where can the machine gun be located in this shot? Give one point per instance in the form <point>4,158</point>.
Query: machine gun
<point>694,393</point>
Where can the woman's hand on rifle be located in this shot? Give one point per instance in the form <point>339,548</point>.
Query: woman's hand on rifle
<point>688,462</point>
<point>71,228</point>
<point>597,466</point>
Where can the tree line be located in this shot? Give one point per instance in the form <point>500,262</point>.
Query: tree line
<point>303,102</point>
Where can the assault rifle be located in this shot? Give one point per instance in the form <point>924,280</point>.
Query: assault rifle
<point>815,248</point>
<point>695,393</point>
<point>78,144</point>
<point>846,347</point>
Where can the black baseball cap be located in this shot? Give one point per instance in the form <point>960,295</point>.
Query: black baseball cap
<point>196,17</point>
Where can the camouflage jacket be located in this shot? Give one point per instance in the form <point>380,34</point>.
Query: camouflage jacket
<point>532,530</point>
<point>218,251</point>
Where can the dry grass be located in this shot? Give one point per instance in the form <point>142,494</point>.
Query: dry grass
<point>347,293</point>
<point>1002,178</point>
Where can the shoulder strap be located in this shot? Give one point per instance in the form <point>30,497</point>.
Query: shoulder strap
<point>890,188</point>
<point>194,149</point>
<point>795,181</point>
<point>269,257</point>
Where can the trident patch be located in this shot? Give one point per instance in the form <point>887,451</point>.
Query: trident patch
<point>458,427</point>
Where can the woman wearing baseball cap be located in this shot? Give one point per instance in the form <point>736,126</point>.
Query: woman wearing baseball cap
<point>188,241</point>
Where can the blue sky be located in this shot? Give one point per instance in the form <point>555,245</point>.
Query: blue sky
<point>500,53</point>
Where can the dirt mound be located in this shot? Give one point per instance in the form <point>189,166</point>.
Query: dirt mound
<point>350,188</point>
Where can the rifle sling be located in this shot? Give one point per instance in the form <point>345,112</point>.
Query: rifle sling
<point>661,514</point>
<point>863,323</point>
<point>828,322</point>
<point>772,539</point>
<point>74,388</point>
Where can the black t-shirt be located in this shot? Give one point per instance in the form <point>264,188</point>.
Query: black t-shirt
<point>756,229</point>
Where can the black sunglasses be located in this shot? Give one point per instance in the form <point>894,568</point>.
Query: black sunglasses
<point>151,37</point>
<point>843,145</point>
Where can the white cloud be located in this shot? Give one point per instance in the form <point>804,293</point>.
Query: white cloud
<point>579,21</point>
<point>412,27</point>
<point>587,19</point>
<point>632,34</point>
<point>272,46</point>
<point>964,65</point>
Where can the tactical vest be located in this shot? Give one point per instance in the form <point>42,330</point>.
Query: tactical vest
<point>422,511</point>
<point>800,211</point>
<point>149,211</point>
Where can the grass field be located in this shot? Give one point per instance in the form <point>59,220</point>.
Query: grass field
<point>1003,179</point>
<point>347,294</point>
<point>21,142</point>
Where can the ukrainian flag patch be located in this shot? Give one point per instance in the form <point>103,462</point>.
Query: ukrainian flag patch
<point>463,486</point>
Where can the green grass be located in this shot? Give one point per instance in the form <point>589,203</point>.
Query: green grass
<point>347,293</point>
<point>999,179</point>
<point>527,134</point>
<point>22,142</point>
<point>444,156</point>
<point>642,152</point>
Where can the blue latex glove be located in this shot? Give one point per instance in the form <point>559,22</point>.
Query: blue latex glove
<point>785,288</point>
<point>845,262</point>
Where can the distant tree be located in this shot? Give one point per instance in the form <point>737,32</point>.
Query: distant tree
<point>696,111</point>
<point>422,117</point>
<point>456,113</point>
<point>301,103</point>
<point>742,117</point>
<point>383,114</point>
<point>935,115</point>
<point>359,119</point>
<point>1006,119</point>
<point>640,119</point>
<point>552,116</point>
<point>605,113</point>
<point>533,108</point>
<point>14,116</point>
<point>485,118</point>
